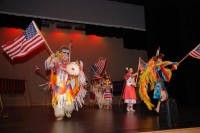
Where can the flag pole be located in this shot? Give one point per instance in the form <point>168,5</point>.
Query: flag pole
<point>183,59</point>
<point>42,37</point>
<point>137,71</point>
<point>70,44</point>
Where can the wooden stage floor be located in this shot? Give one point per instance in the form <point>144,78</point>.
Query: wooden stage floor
<point>91,120</point>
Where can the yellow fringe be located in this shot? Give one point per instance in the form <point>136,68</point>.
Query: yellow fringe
<point>148,77</point>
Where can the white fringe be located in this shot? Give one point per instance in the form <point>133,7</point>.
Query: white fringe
<point>79,99</point>
<point>47,86</point>
<point>61,100</point>
<point>46,64</point>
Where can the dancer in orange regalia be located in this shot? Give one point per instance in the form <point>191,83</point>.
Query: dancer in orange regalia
<point>67,83</point>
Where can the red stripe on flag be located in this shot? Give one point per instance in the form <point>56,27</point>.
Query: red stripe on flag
<point>195,52</point>
<point>195,55</point>
<point>13,45</point>
<point>141,65</point>
<point>100,65</point>
<point>29,49</point>
<point>28,44</point>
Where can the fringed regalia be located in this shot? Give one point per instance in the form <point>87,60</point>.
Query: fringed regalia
<point>67,84</point>
<point>153,78</point>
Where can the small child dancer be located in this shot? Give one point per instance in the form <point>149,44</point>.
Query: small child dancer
<point>129,94</point>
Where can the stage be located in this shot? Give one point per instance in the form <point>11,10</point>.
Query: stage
<point>93,120</point>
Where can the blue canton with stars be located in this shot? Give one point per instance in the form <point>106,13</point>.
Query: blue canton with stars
<point>198,49</point>
<point>30,32</point>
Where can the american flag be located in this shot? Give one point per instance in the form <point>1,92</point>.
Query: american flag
<point>195,52</point>
<point>141,65</point>
<point>24,44</point>
<point>99,66</point>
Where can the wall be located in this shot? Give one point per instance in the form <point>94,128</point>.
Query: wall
<point>87,48</point>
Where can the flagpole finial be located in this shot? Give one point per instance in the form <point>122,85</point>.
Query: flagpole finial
<point>158,51</point>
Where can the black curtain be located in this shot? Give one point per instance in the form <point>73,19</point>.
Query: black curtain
<point>175,27</point>
<point>132,39</point>
<point>17,21</point>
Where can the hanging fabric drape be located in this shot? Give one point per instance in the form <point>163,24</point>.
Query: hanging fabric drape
<point>12,86</point>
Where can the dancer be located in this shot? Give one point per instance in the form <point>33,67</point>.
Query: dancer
<point>163,74</point>
<point>153,78</point>
<point>107,91</point>
<point>98,91</point>
<point>129,94</point>
<point>67,83</point>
